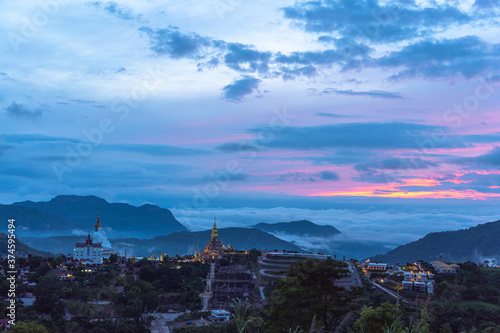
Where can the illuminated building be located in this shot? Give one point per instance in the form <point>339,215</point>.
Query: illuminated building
<point>214,250</point>
<point>96,248</point>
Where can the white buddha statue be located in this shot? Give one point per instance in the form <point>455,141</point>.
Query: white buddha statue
<point>99,236</point>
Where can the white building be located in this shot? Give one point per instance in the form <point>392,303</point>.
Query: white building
<point>96,248</point>
<point>219,316</point>
<point>89,251</point>
<point>418,282</point>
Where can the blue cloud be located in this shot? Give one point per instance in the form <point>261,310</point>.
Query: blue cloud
<point>119,11</point>
<point>244,58</point>
<point>48,144</point>
<point>370,135</point>
<point>326,175</point>
<point>489,159</point>
<point>370,93</point>
<point>394,163</point>
<point>466,56</point>
<point>238,89</point>
<point>329,175</point>
<point>335,115</point>
<point>115,9</point>
<point>171,42</point>
<point>371,21</point>
<point>21,111</point>
<point>153,149</point>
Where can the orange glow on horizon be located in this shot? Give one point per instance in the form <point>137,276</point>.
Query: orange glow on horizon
<point>420,182</point>
<point>449,194</point>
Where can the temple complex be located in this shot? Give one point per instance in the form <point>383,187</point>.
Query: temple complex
<point>229,275</point>
<point>214,250</point>
<point>95,249</point>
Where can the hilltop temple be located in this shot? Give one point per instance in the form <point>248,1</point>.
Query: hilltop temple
<point>95,249</point>
<point>214,250</point>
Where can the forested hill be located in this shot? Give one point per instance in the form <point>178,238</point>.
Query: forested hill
<point>180,243</point>
<point>474,244</point>
<point>299,228</point>
<point>80,212</point>
<point>21,249</point>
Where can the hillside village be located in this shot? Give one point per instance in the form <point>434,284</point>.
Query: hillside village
<point>219,288</point>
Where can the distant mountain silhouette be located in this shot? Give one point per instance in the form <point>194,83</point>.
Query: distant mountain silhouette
<point>474,244</point>
<point>180,243</point>
<point>34,221</point>
<point>124,219</point>
<point>22,250</point>
<point>299,228</point>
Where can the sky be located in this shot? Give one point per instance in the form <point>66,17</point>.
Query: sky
<point>313,108</point>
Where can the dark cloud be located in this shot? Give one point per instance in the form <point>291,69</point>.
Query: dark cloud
<point>171,42</point>
<point>27,138</point>
<point>352,26</point>
<point>291,73</point>
<point>370,135</point>
<point>238,89</point>
<point>395,163</point>
<point>309,177</point>
<point>342,157</point>
<point>369,20</point>
<point>370,93</point>
<point>153,150</point>
<point>116,9</point>
<point>466,56</point>
<point>329,175</point>
<point>222,176</point>
<point>375,170</point>
<point>483,138</point>
<point>21,111</point>
<point>5,77</point>
<point>119,11</point>
<point>491,158</point>
<point>346,55</point>
<point>480,182</point>
<point>147,149</point>
<point>82,101</point>
<point>376,178</point>
<point>334,115</point>
<point>244,58</point>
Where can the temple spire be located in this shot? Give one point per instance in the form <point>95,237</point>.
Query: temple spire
<point>98,223</point>
<point>215,234</point>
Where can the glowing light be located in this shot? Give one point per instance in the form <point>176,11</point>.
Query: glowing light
<point>395,193</point>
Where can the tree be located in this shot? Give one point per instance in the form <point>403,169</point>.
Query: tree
<point>29,327</point>
<point>56,262</point>
<point>47,292</point>
<point>254,254</point>
<point>374,320</point>
<point>310,290</point>
<point>113,258</point>
<point>241,317</point>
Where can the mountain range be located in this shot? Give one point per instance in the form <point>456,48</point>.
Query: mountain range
<point>69,213</point>
<point>298,228</point>
<point>21,249</point>
<point>474,244</point>
<point>149,229</point>
<point>180,243</point>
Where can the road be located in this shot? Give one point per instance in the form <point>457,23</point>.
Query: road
<point>159,324</point>
<point>390,292</point>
